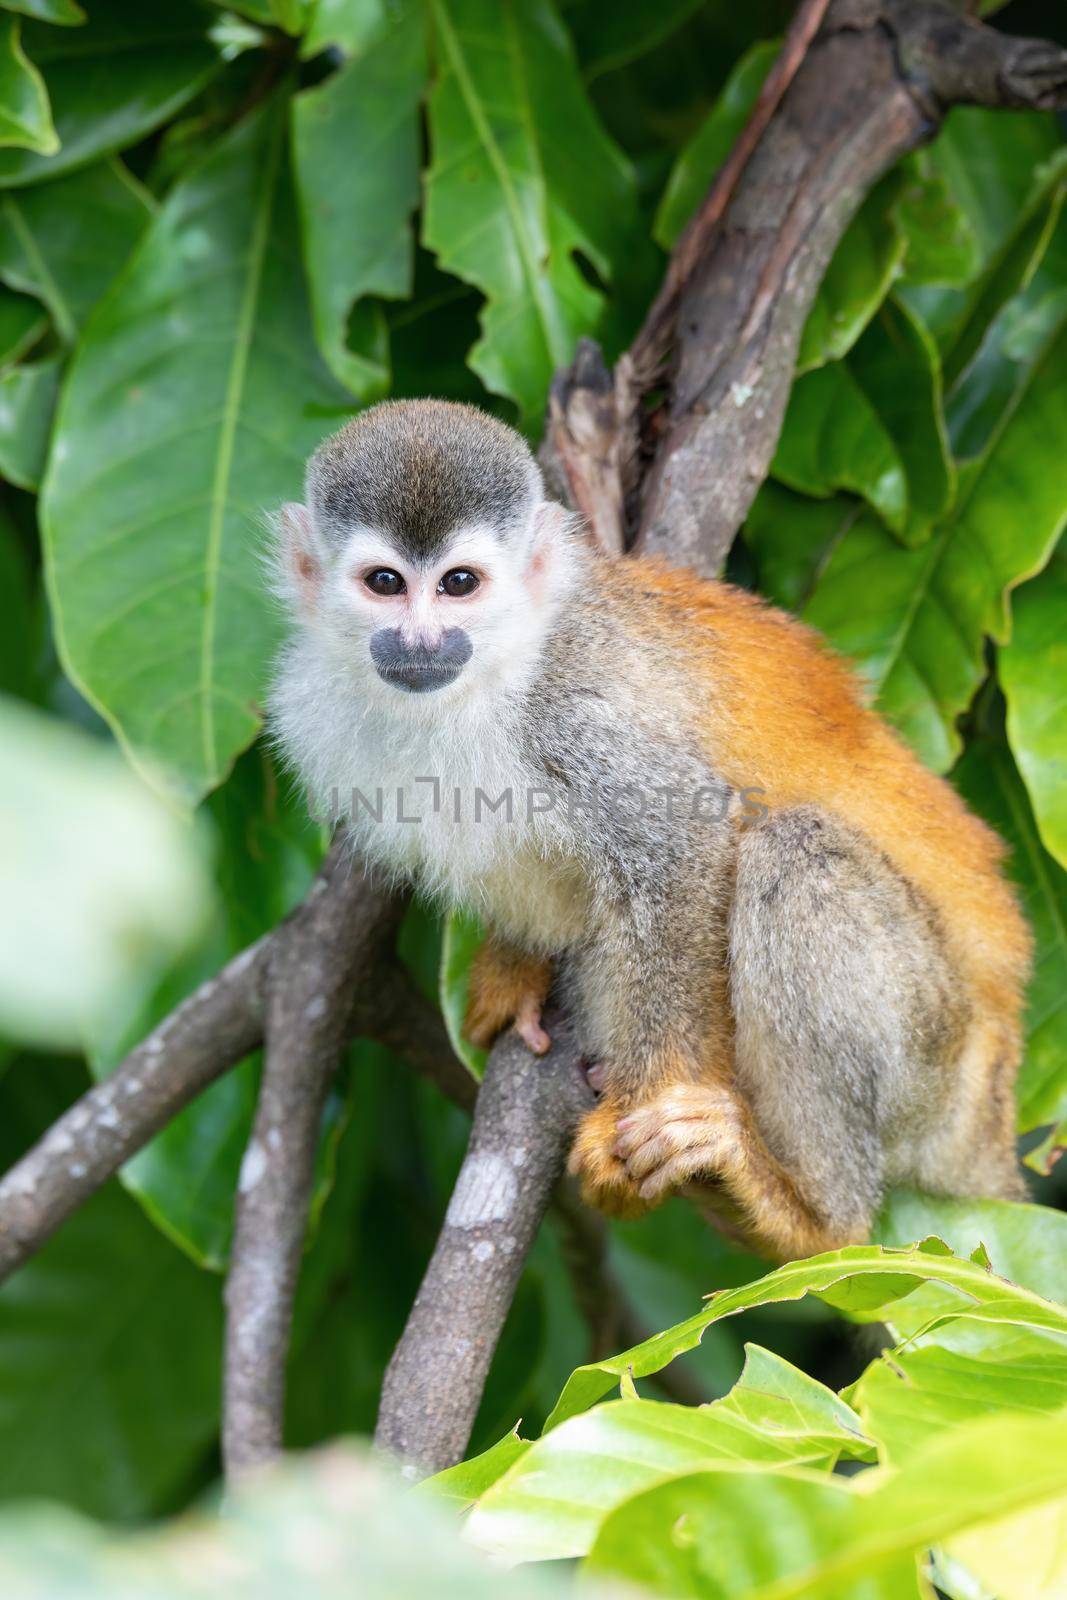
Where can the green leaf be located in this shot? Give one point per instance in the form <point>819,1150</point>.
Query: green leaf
<point>697,164</point>
<point>25,115</point>
<point>468,1481</point>
<point>127,71</point>
<point>874,424</point>
<point>509,204</point>
<point>20,635</point>
<point>109,1353</point>
<point>988,780</point>
<point>988,160</point>
<point>942,246</point>
<point>1033,672</point>
<point>22,323</point>
<point>194,399</point>
<point>833,438</point>
<point>62,13</point>
<point>860,275</point>
<point>102,883</point>
<point>1025,1243</point>
<point>888,607</point>
<point>609,37</point>
<point>356,212</point>
<point>27,408</point>
<point>462,935</point>
<point>719,1535</point>
<point>65,241</point>
<point>554,1499</point>
<point>863,1280</point>
<point>791,539</point>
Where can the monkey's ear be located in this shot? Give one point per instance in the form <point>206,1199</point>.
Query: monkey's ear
<point>550,523</point>
<point>299,566</point>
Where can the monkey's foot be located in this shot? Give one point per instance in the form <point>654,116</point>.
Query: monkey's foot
<point>690,1132</point>
<point>507,988</point>
<point>604,1179</point>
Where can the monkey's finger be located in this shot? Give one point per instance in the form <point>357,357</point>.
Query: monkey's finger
<point>680,1169</point>
<point>640,1130</point>
<point>529,1029</point>
<point>597,1075</point>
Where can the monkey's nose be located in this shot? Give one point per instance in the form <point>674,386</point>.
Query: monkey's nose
<point>419,668</point>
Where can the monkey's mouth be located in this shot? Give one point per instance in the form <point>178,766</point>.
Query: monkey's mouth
<point>417,668</point>
<point>418,679</point>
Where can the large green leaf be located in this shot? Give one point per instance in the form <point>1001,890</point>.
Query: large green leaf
<point>109,1350</point>
<point>64,13</point>
<point>1026,1243</point>
<point>129,69</point>
<point>873,423</point>
<point>356,158</point>
<point>25,115</point>
<point>1033,672</point>
<point>791,538</point>
<point>523,180</point>
<point>553,1499</point>
<point>22,323</point>
<point>461,936</point>
<point>103,885</point>
<point>942,246</point>
<point>351,26</point>
<point>916,621</point>
<point>27,407</point>
<point>988,779</point>
<point>719,1535</point>
<point>65,241</point>
<point>988,160</point>
<point>195,396</point>
<point>866,1281</point>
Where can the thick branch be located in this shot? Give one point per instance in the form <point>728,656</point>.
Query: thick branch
<point>524,1119</point>
<point>319,961</point>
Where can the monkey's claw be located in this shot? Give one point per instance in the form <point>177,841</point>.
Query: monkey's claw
<point>688,1132</point>
<point>529,1029</point>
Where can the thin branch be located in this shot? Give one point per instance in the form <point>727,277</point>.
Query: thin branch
<point>200,1040</point>
<point>320,961</point>
<point>524,1120</point>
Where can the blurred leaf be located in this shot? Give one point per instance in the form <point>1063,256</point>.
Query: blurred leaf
<point>860,275</point>
<point>776,1536</point>
<point>22,322</point>
<point>25,115</point>
<point>186,1177</point>
<point>864,1281</point>
<point>942,246</point>
<point>356,213</point>
<point>18,636</point>
<point>1032,668</point>
<point>65,241</point>
<point>64,13</point>
<point>350,25</point>
<point>462,935</point>
<point>194,399</point>
<point>27,406</point>
<point>607,37</point>
<point>554,1499</point>
<point>988,780</point>
<point>887,608</point>
<point>698,163</point>
<point>324,1527</point>
<point>128,70</point>
<point>513,194</point>
<point>102,883</point>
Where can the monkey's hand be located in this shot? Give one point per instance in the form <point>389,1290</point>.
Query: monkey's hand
<point>507,987</point>
<point>630,1158</point>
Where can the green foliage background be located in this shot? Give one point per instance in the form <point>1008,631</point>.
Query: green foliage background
<point>222,230</point>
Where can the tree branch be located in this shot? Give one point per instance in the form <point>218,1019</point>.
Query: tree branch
<point>319,961</point>
<point>524,1119</point>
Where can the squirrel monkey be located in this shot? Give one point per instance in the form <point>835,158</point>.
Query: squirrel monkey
<point>789,1003</point>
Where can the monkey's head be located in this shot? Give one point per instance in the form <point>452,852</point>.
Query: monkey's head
<point>425,551</point>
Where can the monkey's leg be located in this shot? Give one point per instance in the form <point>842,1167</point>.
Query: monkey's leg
<point>507,987</point>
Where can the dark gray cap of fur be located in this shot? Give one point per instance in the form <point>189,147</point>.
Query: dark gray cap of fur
<point>418,469</point>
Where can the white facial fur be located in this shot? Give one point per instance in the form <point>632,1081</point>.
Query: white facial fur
<point>346,729</point>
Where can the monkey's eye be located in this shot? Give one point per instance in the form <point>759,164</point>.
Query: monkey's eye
<point>458,582</point>
<point>383,580</point>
